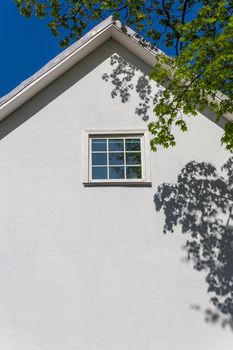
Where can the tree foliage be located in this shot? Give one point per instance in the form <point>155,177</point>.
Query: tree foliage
<point>199,76</point>
<point>201,203</point>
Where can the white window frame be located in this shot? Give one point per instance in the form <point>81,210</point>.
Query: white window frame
<point>145,157</point>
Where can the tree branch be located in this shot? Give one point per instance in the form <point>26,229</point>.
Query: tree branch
<point>119,9</point>
<point>188,86</point>
<point>169,24</point>
<point>229,217</point>
<point>183,17</point>
<point>184,10</point>
<point>76,12</point>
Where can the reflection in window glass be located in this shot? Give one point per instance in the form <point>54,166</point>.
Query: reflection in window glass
<point>116,158</point>
<point>116,145</point>
<point>116,172</point>
<point>99,145</point>
<point>133,172</point>
<point>133,158</point>
<point>99,158</point>
<point>99,173</point>
<point>132,144</point>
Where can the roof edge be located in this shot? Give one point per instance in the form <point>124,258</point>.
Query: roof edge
<point>97,36</point>
<point>107,29</point>
<point>55,68</point>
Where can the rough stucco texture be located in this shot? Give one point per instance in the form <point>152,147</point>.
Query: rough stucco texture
<point>88,268</point>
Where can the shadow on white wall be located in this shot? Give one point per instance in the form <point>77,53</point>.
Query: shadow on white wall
<point>201,203</point>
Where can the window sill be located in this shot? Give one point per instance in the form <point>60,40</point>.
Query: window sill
<point>119,184</point>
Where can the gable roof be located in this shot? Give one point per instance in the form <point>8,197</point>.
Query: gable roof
<point>72,55</point>
<point>75,53</point>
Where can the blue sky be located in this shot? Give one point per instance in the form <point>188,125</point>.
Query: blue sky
<point>26,45</point>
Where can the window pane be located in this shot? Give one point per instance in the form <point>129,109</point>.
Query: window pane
<point>99,172</point>
<point>116,158</point>
<point>133,158</point>
<point>99,158</point>
<point>99,144</point>
<point>116,145</point>
<point>133,144</point>
<point>116,172</point>
<point>133,172</point>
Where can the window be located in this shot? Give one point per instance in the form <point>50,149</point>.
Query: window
<point>116,158</point>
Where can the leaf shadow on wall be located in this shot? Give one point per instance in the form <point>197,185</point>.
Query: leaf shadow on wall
<point>125,80</point>
<point>201,203</point>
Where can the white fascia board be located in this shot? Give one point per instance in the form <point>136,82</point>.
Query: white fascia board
<point>75,53</point>
<point>129,41</point>
<point>54,72</point>
<point>71,56</point>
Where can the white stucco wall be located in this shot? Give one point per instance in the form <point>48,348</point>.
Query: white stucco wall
<point>88,268</point>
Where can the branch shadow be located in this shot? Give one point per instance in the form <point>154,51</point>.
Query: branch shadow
<point>126,78</point>
<point>214,317</point>
<point>201,203</point>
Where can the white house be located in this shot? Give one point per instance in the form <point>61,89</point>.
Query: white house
<point>84,263</point>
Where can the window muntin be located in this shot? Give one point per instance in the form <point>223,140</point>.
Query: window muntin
<point>116,158</point>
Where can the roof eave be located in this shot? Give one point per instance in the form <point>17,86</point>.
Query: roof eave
<point>44,77</point>
<point>71,56</point>
<point>75,53</point>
